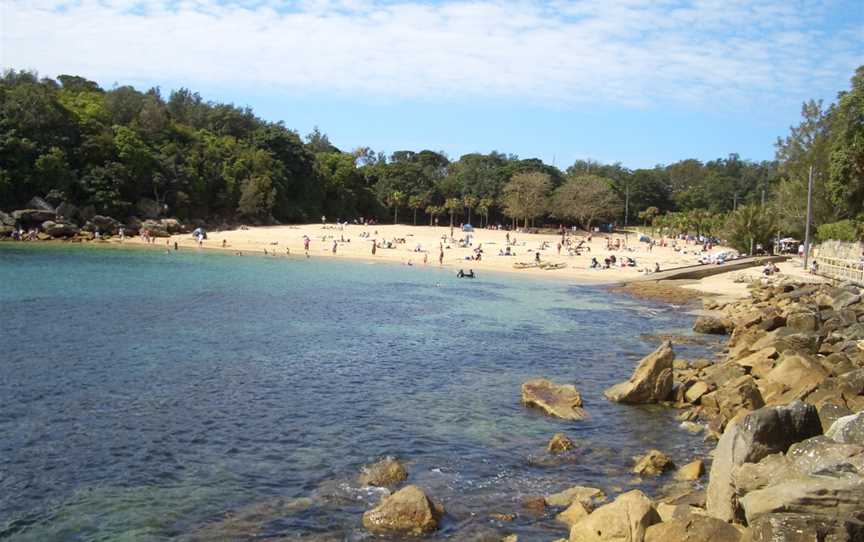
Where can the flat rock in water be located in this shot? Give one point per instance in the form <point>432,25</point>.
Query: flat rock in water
<point>408,511</point>
<point>651,382</point>
<point>559,400</point>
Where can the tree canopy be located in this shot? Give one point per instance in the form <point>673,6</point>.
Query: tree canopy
<point>123,151</point>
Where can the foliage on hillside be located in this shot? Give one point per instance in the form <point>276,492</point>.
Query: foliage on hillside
<point>125,152</point>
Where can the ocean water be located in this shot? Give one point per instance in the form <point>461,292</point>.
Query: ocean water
<point>147,395</point>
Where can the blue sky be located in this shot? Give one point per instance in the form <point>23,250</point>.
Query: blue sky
<point>636,81</point>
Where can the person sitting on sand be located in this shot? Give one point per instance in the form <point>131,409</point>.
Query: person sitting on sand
<point>470,274</point>
<point>594,263</point>
<point>460,274</point>
<point>657,267</point>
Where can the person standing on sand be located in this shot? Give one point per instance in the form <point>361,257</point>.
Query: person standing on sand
<point>374,247</point>
<point>537,256</point>
<point>441,257</point>
<point>334,247</point>
<point>425,258</point>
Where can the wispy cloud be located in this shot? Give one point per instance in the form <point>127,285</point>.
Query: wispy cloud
<point>633,52</point>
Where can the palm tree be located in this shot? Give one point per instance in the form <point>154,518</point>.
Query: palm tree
<point>433,211</point>
<point>451,204</point>
<point>416,203</point>
<point>469,201</point>
<point>396,198</point>
<point>483,207</point>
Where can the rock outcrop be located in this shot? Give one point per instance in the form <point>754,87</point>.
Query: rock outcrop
<point>651,382</point>
<point>559,400</point>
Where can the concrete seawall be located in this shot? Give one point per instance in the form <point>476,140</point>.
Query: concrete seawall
<point>695,272</point>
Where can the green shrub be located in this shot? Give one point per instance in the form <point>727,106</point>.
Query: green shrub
<point>844,230</point>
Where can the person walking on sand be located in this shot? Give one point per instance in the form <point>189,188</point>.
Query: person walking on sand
<point>441,257</point>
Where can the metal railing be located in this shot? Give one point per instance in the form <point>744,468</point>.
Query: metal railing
<point>840,269</point>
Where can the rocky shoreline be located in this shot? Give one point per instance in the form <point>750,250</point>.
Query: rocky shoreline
<point>784,403</point>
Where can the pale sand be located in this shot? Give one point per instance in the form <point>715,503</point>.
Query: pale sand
<point>276,239</point>
<point>733,285</point>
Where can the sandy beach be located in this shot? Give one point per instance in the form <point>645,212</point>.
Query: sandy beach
<point>420,246</point>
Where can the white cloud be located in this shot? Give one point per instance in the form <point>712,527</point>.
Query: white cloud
<point>698,53</point>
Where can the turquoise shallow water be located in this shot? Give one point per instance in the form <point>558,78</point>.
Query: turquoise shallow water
<point>149,395</point>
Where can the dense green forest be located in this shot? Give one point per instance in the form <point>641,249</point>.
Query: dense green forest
<point>122,152</point>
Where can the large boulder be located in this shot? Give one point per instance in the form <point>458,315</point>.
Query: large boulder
<point>798,372</point>
<point>385,473</point>
<point>38,203</point>
<point>848,429</point>
<point>651,382</point>
<point>822,496</point>
<point>623,520</point>
<point>693,528</point>
<point>787,527</point>
<point>736,397</point>
<point>559,400</point>
<point>172,225</point>
<point>712,325</point>
<point>33,217</point>
<point>55,229</point>
<point>105,224</point>
<point>408,511</point>
<point>66,211</point>
<point>155,228</point>
<point>6,219</point>
<point>766,431</point>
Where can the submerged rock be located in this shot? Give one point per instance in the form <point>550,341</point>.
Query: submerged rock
<point>559,400</point>
<point>654,463</point>
<point>408,511</point>
<point>584,495</point>
<point>651,381</point>
<point>560,443</point>
<point>385,473</point>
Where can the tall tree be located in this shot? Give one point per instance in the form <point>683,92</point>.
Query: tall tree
<point>526,196</point>
<point>586,198</point>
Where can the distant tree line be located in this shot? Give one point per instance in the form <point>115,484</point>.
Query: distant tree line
<point>121,152</point>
